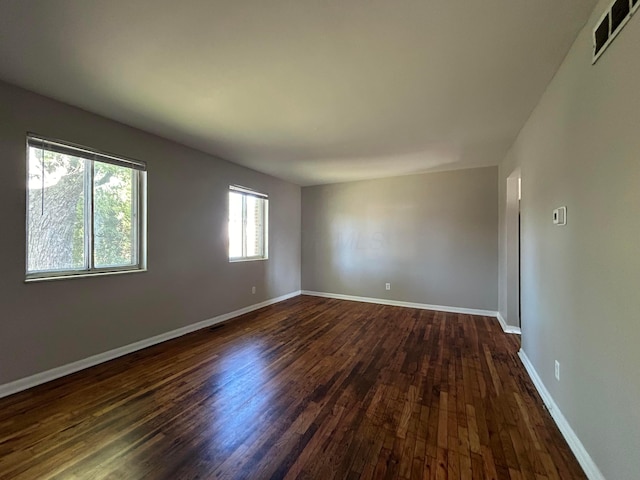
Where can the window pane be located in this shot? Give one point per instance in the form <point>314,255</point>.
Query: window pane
<point>254,226</point>
<point>235,225</point>
<point>56,211</point>
<point>114,215</point>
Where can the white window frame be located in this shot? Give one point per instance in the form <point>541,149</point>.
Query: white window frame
<point>246,192</point>
<point>91,156</point>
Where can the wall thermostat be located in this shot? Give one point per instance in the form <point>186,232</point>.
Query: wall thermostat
<point>560,216</point>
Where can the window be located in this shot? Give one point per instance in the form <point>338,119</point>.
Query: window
<point>85,211</point>
<point>248,224</point>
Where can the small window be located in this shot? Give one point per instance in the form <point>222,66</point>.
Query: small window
<point>248,224</point>
<point>84,211</point>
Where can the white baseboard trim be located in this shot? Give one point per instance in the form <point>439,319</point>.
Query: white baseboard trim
<point>586,462</point>
<point>396,303</point>
<point>44,377</point>
<point>507,328</point>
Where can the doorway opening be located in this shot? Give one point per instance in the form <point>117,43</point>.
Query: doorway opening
<point>513,244</point>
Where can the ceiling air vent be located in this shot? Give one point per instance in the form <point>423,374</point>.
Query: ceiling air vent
<point>614,20</point>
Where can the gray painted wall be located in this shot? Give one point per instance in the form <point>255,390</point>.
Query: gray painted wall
<point>48,324</point>
<point>432,236</point>
<point>580,301</point>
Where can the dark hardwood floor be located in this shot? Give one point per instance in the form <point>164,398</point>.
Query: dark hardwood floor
<point>308,388</point>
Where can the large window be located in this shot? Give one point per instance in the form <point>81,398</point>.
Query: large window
<point>248,224</point>
<point>85,211</point>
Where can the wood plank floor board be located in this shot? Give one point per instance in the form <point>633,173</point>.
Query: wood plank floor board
<point>310,388</point>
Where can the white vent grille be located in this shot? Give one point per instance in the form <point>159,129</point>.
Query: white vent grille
<point>611,23</point>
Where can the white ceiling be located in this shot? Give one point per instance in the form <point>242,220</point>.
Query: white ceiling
<point>312,91</point>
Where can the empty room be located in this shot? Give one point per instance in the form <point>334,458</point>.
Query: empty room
<point>320,239</point>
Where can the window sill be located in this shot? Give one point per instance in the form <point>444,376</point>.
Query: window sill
<point>68,276</point>
<point>253,259</point>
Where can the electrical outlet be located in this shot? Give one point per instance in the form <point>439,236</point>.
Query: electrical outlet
<point>557,372</point>
<point>388,286</point>
<point>253,290</point>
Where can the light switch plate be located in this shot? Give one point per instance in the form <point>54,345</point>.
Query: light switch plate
<point>560,216</point>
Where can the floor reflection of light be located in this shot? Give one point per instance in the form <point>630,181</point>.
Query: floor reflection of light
<point>241,395</point>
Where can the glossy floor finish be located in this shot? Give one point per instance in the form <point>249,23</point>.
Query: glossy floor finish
<point>308,388</point>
